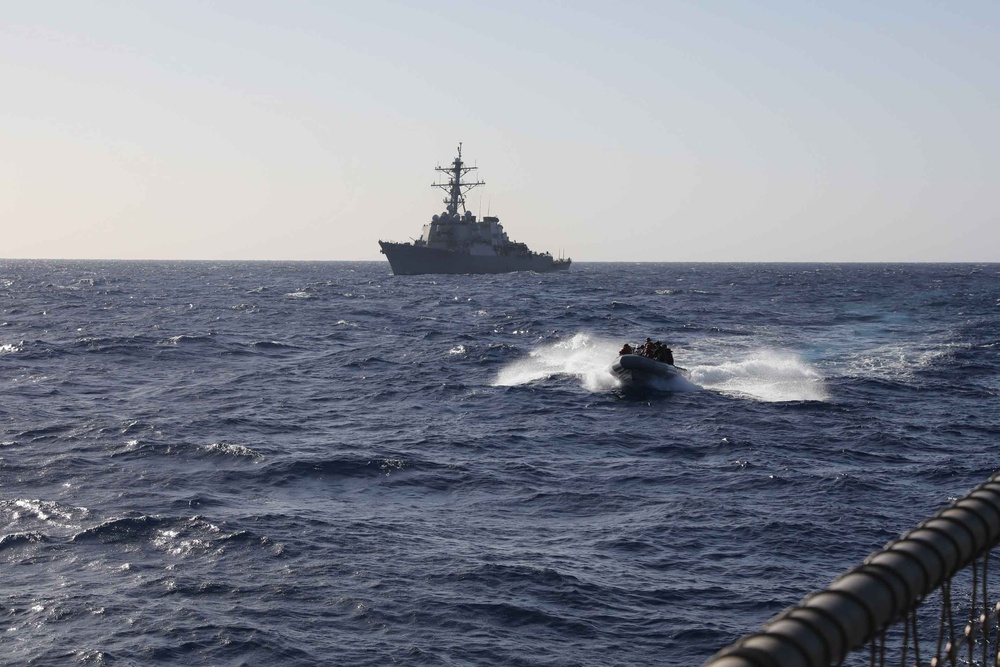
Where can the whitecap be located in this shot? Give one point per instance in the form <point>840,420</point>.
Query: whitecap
<point>11,348</point>
<point>44,510</point>
<point>229,449</point>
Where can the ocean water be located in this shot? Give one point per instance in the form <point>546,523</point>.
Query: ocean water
<point>321,463</point>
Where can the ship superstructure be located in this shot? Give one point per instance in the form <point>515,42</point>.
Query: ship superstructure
<point>455,241</point>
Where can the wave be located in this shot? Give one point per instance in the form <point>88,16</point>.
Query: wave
<point>20,539</point>
<point>11,348</point>
<point>188,339</point>
<point>246,308</point>
<point>388,471</point>
<point>272,345</point>
<point>122,529</point>
<point>141,448</point>
<point>235,451</point>
<point>35,350</point>
<point>175,535</point>
<point>48,511</point>
<point>519,615</point>
<point>288,472</point>
<point>111,343</point>
<point>369,362</point>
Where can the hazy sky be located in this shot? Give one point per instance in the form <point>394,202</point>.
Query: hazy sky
<point>775,130</point>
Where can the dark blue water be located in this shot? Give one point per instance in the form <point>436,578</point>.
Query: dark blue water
<point>322,463</point>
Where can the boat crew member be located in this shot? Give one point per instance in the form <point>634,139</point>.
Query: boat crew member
<point>664,354</point>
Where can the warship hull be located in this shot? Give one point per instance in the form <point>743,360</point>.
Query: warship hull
<point>407,259</point>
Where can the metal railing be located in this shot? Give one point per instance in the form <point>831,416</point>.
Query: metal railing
<point>883,595</point>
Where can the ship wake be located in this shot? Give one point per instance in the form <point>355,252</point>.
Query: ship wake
<point>767,375</point>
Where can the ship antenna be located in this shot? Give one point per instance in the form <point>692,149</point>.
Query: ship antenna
<point>455,188</point>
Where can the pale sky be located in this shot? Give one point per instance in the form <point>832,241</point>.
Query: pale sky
<point>774,130</point>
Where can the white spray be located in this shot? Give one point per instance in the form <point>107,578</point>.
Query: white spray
<point>763,375</point>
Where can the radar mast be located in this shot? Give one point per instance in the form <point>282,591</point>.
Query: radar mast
<point>455,188</point>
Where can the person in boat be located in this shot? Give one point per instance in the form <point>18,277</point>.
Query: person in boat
<point>664,354</point>
<point>656,351</point>
<point>646,349</point>
<point>626,349</point>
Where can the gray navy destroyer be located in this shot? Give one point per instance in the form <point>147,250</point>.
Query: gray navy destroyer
<point>456,242</point>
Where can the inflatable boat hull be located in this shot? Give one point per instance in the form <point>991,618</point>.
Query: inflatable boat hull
<point>639,371</point>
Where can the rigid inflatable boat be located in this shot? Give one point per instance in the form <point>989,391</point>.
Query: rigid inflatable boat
<point>636,370</point>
